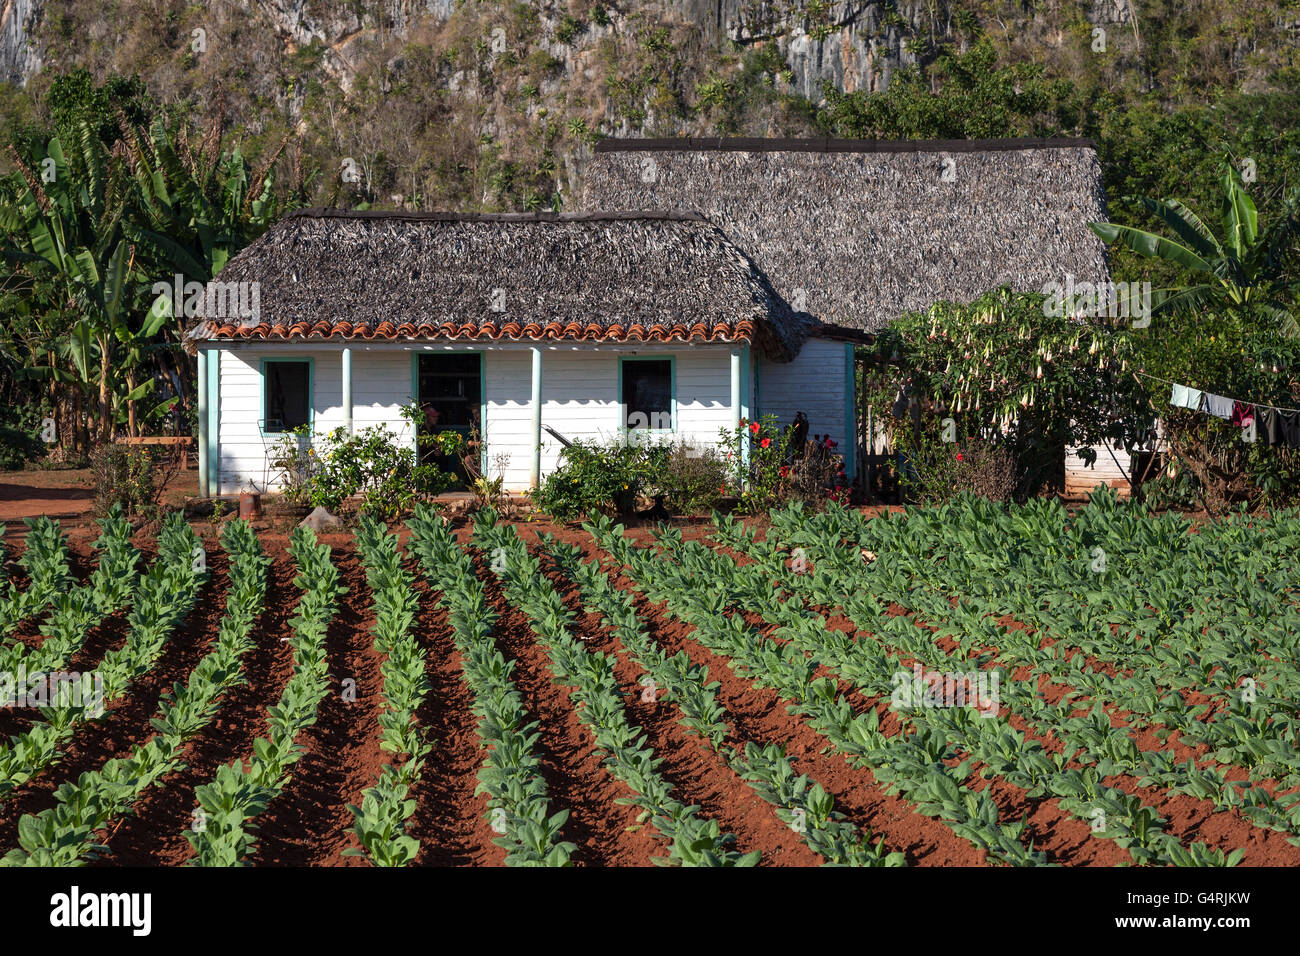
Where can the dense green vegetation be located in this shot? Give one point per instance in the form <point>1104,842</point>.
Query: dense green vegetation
<point>175,142</point>
<point>113,195</point>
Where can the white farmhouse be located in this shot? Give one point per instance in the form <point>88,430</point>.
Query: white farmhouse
<point>517,327</point>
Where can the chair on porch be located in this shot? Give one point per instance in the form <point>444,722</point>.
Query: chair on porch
<point>283,464</point>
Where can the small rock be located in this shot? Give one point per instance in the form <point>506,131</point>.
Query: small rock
<point>321,520</point>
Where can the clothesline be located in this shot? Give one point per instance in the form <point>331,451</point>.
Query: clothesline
<point>1243,401</point>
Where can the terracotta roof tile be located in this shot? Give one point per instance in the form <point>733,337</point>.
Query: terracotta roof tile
<point>742,331</point>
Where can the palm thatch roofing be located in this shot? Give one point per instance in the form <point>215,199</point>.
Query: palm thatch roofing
<point>857,232</point>
<point>603,276</point>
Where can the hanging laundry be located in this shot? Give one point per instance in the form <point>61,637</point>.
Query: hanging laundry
<point>1288,426</point>
<point>1243,414</point>
<point>1184,397</point>
<point>1269,427</point>
<point>1218,406</point>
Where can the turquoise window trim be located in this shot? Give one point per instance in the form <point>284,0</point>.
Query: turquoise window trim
<point>482,394</point>
<point>623,430</point>
<point>850,411</point>
<point>746,383</point>
<point>311,389</point>
<point>213,451</point>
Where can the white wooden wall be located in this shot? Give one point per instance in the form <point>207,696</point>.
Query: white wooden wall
<point>579,399</point>
<point>814,383</point>
<point>1081,478</point>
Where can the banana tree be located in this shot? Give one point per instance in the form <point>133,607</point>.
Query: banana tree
<point>196,210</point>
<point>66,228</point>
<point>193,210</point>
<point>1244,271</point>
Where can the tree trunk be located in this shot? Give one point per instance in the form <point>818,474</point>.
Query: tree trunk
<point>77,425</point>
<point>54,407</point>
<point>105,415</point>
<point>130,406</point>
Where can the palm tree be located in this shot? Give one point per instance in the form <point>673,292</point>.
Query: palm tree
<point>1244,272</point>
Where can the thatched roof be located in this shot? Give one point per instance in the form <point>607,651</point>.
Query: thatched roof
<point>622,276</point>
<point>856,232</point>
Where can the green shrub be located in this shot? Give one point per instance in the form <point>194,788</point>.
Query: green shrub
<point>570,26</point>
<point>17,447</point>
<point>596,479</point>
<point>936,471</point>
<point>692,479</point>
<point>372,464</point>
<point>20,438</point>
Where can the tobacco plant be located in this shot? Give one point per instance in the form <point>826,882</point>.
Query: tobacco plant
<point>65,834</point>
<point>380,820</point>
<point>223,834</point>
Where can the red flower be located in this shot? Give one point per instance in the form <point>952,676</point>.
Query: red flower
<point>785,470</point>
<point>753,427</point>
<point>765,443</point>
<point>959,456</point>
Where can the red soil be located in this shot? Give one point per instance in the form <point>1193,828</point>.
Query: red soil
<point>155,833</point>
<point>606,833</point>
<point>125,724</point>
<point>450,821</point>
<point>699,775</point>
<point>309,822</point>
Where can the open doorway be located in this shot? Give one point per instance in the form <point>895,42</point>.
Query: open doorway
<point>450,392</point>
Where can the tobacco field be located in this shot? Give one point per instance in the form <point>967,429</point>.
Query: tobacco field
<point>970,684</point>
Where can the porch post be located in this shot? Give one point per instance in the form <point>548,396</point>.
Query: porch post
<point>736,400</point>
<point>347,390</point>
<point>214,421</point>
<point>535,472</point>
<point>203,422</point>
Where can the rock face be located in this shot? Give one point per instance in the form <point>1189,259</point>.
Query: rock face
<point>854,44</point>
<point>19,57</point>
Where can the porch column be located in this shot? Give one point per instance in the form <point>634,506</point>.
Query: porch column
<point>214,421</point>
<point>347,390</point>
<point>535,471</point>
<point>203,422</point>
<point>736,400</point>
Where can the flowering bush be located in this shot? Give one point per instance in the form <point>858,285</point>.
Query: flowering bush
<point>766,470</point>
<point>1001,368</point>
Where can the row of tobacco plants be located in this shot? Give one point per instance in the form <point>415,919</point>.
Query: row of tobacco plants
<point>65,833</point>
<point>223,832</point>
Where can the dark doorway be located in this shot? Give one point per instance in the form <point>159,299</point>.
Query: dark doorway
<point>450,392</point>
